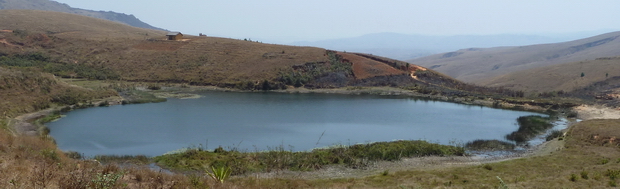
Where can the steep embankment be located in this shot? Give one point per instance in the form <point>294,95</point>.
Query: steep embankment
<point>479,65</point>
<point>48,5</point>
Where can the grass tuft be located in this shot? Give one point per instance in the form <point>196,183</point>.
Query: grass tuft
<point>573,177</point>
<point>219,174</point>
<point>584,175</point>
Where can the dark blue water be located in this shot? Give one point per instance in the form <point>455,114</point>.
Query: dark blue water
<point>259,121</point>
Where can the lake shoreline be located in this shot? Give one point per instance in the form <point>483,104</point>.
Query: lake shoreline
<point>24,125</point>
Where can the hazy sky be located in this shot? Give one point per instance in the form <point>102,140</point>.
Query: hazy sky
<point>282,21</point>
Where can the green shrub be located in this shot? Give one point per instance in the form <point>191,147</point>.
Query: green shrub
<point>73,155</point>
<point>219,174</point>
<point>571,114</point>
<point>612,174</point>
<point>154,87</point>
<point>482,145</point>
<point>106,180</point>
<point>20,33</point>
<point>604,161</point>
<point>529,127</point>
<point>50,154</point>
<point>554,134</point>
<point>573,177</point>
<point>584,175</point>
<point>49,118</point>
<point>307,73</point>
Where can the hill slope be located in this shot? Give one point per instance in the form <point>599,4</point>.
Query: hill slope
<point>24,91</point>
<point>477,65</point>
<point>560,77</point>
<point>79,46</point>
<point>48,5</point>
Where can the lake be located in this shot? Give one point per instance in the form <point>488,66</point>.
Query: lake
<point>262,121</point>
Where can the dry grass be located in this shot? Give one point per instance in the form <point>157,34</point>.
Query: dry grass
<point>144,55</point>
<point>24,91</point>
<point>563,77</point>
<point>478,65</point>
<point>34,162</point>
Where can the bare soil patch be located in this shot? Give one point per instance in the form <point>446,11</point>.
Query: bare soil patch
<point>587,112</point>
<point>366,68</point>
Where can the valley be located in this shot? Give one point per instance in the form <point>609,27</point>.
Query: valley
<point>54,62</point>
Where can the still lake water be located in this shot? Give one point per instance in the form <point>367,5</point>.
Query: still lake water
<point>260,121</point>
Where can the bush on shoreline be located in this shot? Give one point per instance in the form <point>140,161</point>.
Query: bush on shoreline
<point>489,145</point>
<point>529,127</point>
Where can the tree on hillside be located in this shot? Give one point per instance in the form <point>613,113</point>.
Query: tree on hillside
<point>582,74</point>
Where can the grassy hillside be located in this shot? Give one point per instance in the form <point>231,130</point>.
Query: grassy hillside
<point>24,91</point>
<point>562,77</point>
<point>479,65</point>
<point>48,5</point>
<point>76,44</point>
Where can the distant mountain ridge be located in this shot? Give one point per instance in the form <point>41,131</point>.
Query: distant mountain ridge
<point>406,47</point>
<point>48,5</point>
